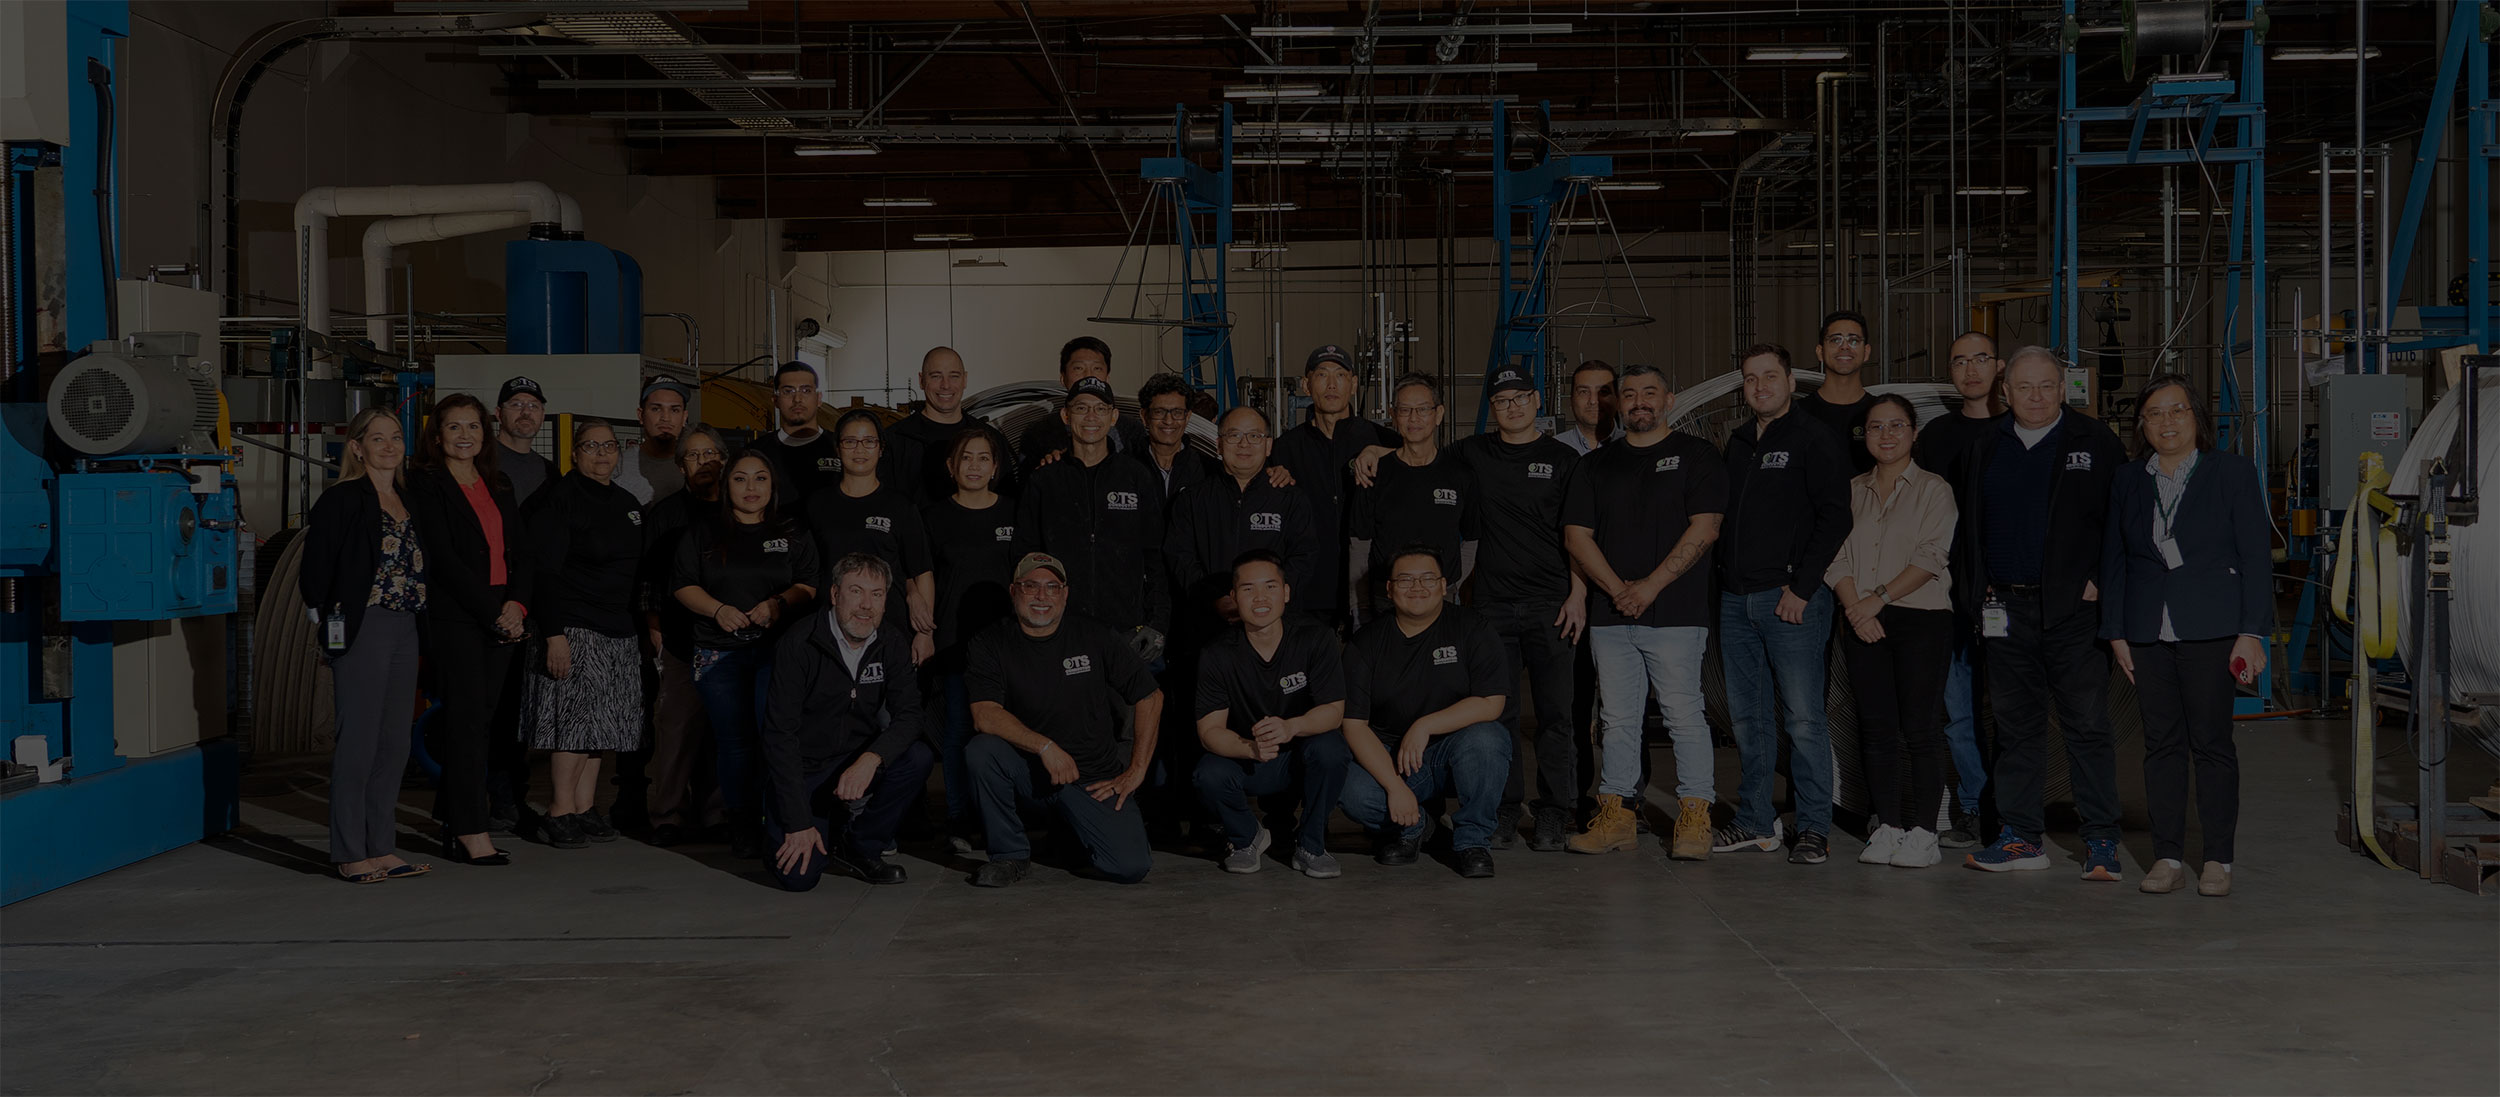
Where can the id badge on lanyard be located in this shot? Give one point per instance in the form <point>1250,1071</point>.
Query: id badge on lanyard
<point>334,633</point>
<point>1994,621</point>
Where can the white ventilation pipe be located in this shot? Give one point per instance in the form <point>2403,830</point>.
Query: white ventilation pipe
<point>314,210</point>
<point>382,237</point>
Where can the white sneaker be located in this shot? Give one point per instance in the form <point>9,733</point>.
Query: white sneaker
<point>1917,849</point>
<point>1881,845</point>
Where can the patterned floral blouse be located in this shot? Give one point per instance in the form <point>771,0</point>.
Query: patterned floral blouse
<point>400,585</point>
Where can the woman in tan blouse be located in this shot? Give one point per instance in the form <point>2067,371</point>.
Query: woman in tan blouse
<point>1890,581</point>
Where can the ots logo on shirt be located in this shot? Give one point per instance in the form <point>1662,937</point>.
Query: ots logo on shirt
<point>634,516</point>
<point>1076,664</point>
<point>2078,462</point>
<point>1776,459</point>
<point>1267,521</point>
<point>880,523</point>
<point>1539,470</point>
<point>828,464</point>
<point>872,673</point>
<point>1120,500</point>
<point>1293,683</point>
<point>1447,497</point>
<point>777,544</point>
<point>1668,464</point>
<point>1444,655</point>
<point>1003,533</point>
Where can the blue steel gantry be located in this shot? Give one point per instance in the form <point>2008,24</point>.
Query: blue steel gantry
<point>1527,269</point>
<point>1206,327</point>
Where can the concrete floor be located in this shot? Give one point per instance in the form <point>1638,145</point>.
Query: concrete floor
<point>230,967</point>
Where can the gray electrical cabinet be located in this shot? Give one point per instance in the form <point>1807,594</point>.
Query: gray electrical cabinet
<point>2361,413</point>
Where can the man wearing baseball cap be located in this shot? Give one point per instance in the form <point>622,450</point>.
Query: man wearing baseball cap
<point>650,469</point>
<point>1104,517</point>
<point>1047,691</point>
<point>519,410</point>
<point>1317,454</point>
<point>1047,440</point>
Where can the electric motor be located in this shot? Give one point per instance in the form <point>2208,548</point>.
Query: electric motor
<point>144,393</point>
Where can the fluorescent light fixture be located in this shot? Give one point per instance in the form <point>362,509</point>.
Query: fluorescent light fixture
<point>772,76</point>
<point>1460,69</point>
<point>1796,53</point>
<point>1266,207</point>
<point>2336,171</point>
<point>2321,53</point>
<point>848,148</point>
<point>940,237</point>
<point>1271,91</point>
<point>1403,31</point>
<point>1617,185</point>
<point>896,203</point>
<point>1707,133</point>
<point>1272,161</point>
<point>1871,233</point>
<point>1259,249</point>
<point>1992,192</point>
<point>1801,245</point>
<point>1578,222</point>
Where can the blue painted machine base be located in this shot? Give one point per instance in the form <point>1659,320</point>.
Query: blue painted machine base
<point>61,833</point>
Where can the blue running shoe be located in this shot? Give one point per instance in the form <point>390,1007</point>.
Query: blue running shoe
<point>2009,854</point>
<point>2100,859</point>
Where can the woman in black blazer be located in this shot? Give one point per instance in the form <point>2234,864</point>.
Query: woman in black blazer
<point>363,580</point>
<point>477,612</point>
<point>2187,602</point>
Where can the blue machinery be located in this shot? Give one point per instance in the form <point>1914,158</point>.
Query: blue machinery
<point>1527,269</point>
<point>1206,328</point>
<point>91,542</point>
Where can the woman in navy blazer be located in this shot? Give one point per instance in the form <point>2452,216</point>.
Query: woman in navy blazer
<point>2187,601</point>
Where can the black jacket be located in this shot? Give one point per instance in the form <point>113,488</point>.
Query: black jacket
<point>1787,506</point>
<point>455,550</point>
<point>818,715</point>
<point>2088,458</point>
<point>1105,523</point>
<point>343,551</point>
<point>2224,586</point>
<point>586,542</point>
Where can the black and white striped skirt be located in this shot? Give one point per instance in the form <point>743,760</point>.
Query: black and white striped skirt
<point>595,708</point>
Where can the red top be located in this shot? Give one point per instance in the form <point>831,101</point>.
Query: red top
<point>489,518</point>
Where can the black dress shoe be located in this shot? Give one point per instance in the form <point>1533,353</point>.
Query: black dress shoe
<point>564,832</point>
<point>1476,863</point>
<point>459,854</point>
<point>1552,829</point>
<point>999,874</point>
<point>873,869</point>
<point>1399,851</point>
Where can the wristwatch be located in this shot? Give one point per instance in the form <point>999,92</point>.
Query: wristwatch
<point>1881,592</point>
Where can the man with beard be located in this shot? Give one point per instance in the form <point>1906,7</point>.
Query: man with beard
<point>678,726</point>
<point>649,470</point>
<point>803,453</point>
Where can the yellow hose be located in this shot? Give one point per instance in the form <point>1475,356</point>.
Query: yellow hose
<point>2373,617</point>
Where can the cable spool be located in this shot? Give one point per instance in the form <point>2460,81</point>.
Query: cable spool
<point>2474,631</point>
<point>2161,28</point>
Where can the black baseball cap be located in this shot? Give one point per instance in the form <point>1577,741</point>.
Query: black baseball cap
<point>669,384</point>
<point>516,387</point>
<point>1095,387</point>
<point>1330,353</point>
<point>1510,379</point>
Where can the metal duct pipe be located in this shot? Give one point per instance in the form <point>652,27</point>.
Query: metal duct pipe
<point>381,237</point>
<point>314,210</point>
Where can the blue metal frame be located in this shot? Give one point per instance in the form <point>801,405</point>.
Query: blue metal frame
<point>1519,330</point>
<point>1206,327</point>
<point>2468,53</point>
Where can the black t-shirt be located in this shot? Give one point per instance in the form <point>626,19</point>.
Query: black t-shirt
<point>915,459</point>
<point>586,540</point>
<point>974,552</point>
<point>1215,522</point>
<point>1945,442</point>
<point>741,565</point>
<point>1393,680</point>
<point>1432,505</point>
<point>1189,469</point>
<point>1066,686</point>
<point>1637,501</point>
<point>1848,423</point>
<point>1307,672</point>
<point>803,468</point>
<point>1318,464</point>
<point>882,524</point>
<point>1519,504</point>
<point>666,522</point>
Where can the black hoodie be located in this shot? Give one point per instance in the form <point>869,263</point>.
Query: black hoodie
<point>1787,506</point>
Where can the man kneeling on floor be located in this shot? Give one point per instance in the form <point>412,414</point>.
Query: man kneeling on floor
<point>1425,689</point>
<point>1271,695</point>
<point>1048,692</point>
<point>841,733</point>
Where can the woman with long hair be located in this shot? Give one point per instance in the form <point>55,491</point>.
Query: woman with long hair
<point>363,579</point>
<point>744,575</point>
<point>2187,601</point>
<point>972,542</point>
<point>584,687</point>
<point>476,610</point>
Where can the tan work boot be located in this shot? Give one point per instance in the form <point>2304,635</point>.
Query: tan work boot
<point>1692,830</point>
<point>1613,829</point>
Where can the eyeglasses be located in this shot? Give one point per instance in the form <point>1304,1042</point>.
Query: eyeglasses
<point>1514,401</point>
<point>1237,437</point>
<point>1411,582</point>
<point>1414,409</point>
<point>1960,360</point>
<point>609,446</point>
<point>1845,339</point>
<point>857,443</point>
<point>1091,411</point>
<point>1895,427</point>
<point>699,457</point>
<point>1168,415</point>
<point>795,390</point>
<point>1043,588</point>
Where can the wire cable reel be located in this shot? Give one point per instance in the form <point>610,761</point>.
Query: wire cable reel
<point>2161,28</point>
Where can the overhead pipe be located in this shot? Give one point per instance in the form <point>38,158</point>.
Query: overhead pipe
<point>537,201</point>
<point>381,237</point>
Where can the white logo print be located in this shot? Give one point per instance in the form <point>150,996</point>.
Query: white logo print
<point>828,464</point>
<point>777,544</point>
<point>1447,497</point>
<point>1004,533</point>
<point>880,523</point>
<point>1668,464</point>
<point>1076,664</point>
<point>1444,655</point>
<point>1267,521</point>
<point>1539,470</point>
<point>1293,683</point>
<point>635,515</point>
<point>1776,459</point>
<point>2078,462</point>
<point>1120,500</point>
<point>872,674</point>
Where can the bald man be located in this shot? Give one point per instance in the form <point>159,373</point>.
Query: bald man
<point>916,445</point>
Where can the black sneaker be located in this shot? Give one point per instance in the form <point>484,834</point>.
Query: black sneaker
<point>1812,848</point>
<point>595,826</point>
<point>1553,827</point>
<point>873,869</point>
<point>563,832</point>
<point>1475,863</point>
<point>999,874</point>
<point>1398,849</point>
<point>1506,826</point>
<point>1964,834</point>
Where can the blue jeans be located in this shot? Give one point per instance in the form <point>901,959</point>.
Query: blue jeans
<point>1315,763</point>
<point>1472,764</point>
<point>1763,654</point>
<point>1633,660</point>
<point>1961,729</point>
<point>955,730</point>
<point>1114,836</point>
<point>733,683</point>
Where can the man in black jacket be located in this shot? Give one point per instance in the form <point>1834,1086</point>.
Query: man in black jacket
<point>1105,519</point>
<point>842,749</point>
<point>1787,513</point>
<point>2034,504</point>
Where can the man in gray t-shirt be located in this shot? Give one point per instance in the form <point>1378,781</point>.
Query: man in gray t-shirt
<point>519,409</point>
<point>649,470</point>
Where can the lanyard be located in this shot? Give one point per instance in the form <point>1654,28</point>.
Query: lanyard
<point>2162,511</point>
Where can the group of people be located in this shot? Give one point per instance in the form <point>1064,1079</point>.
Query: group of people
<point>1098,623</point>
